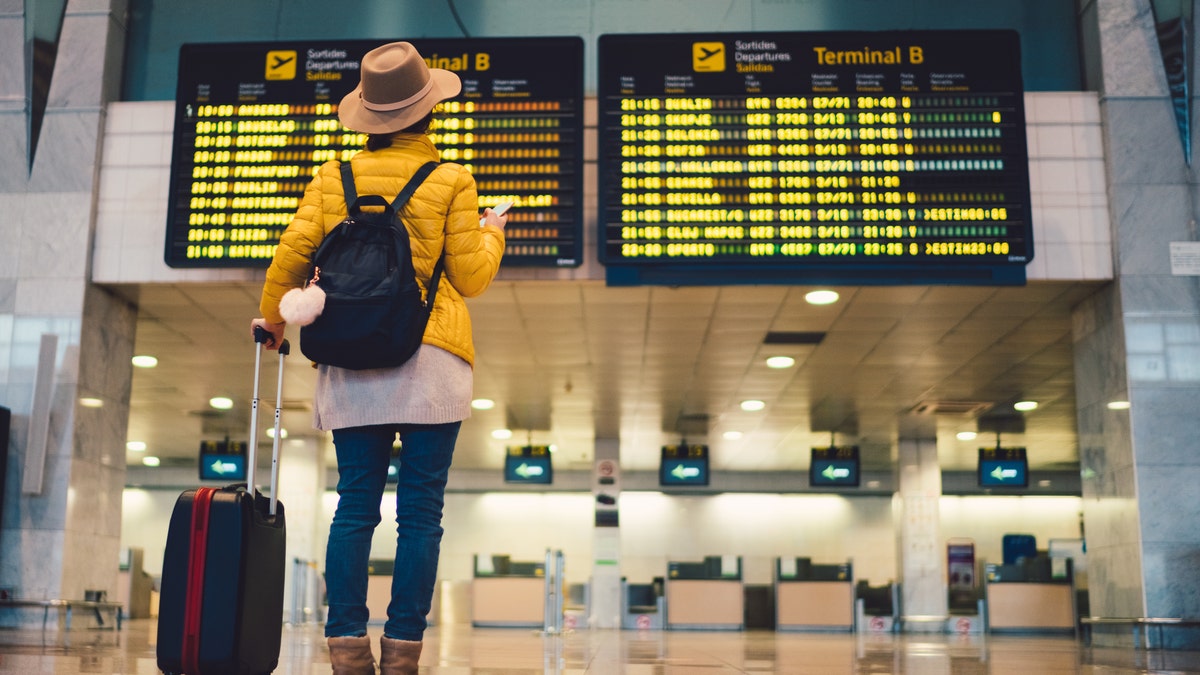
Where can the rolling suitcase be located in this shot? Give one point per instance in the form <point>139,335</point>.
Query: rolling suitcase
<point>221,600</point>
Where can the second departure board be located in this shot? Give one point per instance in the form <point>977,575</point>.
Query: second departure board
<point>253,122</point>
<point>858,157</point>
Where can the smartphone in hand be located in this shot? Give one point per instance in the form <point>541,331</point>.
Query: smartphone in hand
<point>499,209</point>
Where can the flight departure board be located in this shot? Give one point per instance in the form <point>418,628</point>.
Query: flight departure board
<point>253,121</point>
<point>859,157</point>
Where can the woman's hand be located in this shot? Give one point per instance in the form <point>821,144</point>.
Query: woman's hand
<point>490,218</point>
<point>275,331</point>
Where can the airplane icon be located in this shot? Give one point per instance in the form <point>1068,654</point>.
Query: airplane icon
<point>708,57</point>
<point>280,61</point>
<point>281,64</point>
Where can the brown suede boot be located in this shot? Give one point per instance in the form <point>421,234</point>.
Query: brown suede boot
<point>351,656</point>
<point>399,657</point>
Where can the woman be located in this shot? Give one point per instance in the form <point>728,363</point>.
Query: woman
<point>425,399</point>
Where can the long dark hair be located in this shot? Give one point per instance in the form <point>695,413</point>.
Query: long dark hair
<point>381,141</point>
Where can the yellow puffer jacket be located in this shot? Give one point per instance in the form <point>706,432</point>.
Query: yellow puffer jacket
<point>441,217</point>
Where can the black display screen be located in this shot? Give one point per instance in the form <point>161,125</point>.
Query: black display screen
<point>254,120</point>
<point>223,460</point>
<point>860,157</point>
<point>1003,467</point>
<point>683,465</point>
<point>529,464</point>
<point>834,467</point>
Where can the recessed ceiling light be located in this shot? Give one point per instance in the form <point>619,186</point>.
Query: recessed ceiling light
<point>282,432</point>
<point>145,361</point>
<point>821,297</point>
<point>1043,483</point>
<point>1119,405</point>
<point>781,362</point>
<point>753,405</point>
<point>872,483</point>
<point>135,446</point>
<point>502,434</point>
<point>151,461</point>
<point>1025,406</point>
<point>483,404</point>
<point>732,435</point>
<point>221,402</point>
<point>89,402</point>
<point>966,435</point>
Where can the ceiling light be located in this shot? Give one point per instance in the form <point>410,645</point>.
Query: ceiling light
<point>872,483</point>
<point>151,461</point>
<point>135,446</point>
<point>1025,406</point>
<point>966,435</point>
<point>753,405</point>
<point>732,435</point>
<point>553,447</point>
<point>89,402</point>
<point>502,434</point>
<point>821,297</point>
<point>145,361</point>
<point>483,404</point>
<point>1119,405</point>
<point>282,432</point>
<point>1043,483</point>
<point>781,362</point>
<point>221,402</point>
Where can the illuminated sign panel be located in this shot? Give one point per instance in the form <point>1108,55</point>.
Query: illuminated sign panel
<point>1003,467</point>
<point>683,465</point>
<point>254,121</point>
<point>529,464</point>
<point>858,157</point>
<point>834,467</point>
<point>223,460</point>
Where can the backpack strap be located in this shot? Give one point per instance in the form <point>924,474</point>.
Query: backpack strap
<point>348,185</point>
<point>402,199</point>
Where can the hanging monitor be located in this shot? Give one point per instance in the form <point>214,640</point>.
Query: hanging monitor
<point>834,467</point>
<point>683,465</point>
<point>1003,467</point>
<point>223,460</point>
<point>528,464</point>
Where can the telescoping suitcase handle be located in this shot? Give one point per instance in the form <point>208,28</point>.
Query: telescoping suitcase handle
<point>260,338</point>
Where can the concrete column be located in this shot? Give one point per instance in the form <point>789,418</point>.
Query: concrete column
<point>919,551</point>
<point>62,535</point>
<point>1139,341</point>
<point>301,482</point>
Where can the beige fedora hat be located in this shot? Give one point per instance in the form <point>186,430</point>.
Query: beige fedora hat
<point>397,89</point>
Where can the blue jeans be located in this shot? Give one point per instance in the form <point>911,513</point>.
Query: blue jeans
<point>363,455</point>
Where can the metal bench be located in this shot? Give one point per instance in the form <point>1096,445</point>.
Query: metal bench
<point>68,607</point>
<point>1140,626</point>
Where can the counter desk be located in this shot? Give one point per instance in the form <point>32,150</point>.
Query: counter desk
<point>706,595</point>
<point>508,594</point>
<point>1023,598</point>
<point>812,597</point>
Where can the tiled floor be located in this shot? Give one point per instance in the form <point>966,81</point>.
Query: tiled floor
<point>457,649</point>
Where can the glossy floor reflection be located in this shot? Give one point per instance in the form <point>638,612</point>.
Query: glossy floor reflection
<point>458,649</point>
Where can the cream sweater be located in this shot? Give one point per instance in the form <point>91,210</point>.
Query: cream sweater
<point>433,387</point>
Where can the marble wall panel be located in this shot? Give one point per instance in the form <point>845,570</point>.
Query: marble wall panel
<point>8,301</point>
<point>1160,293</point>
<point>31,562</point>
<point>1150,218</point>
<point>1114,580</point>
<point>78,77</point>
<point>67,152</point>
<point>1172,573</point>
<point>55,236</point>
<point>1166,428</point>
<point>1129,49</point>
<point>12,61</point>
<point>42,297</point>
<point>13,208</point>
<point>14,144</point>
<point>1146,150</point>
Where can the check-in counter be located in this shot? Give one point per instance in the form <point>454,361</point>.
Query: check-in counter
<point>705,595</point>
<point>812,597</point>
<point>508,594</point>
<point>643,606</point>
<point>1029,597</point>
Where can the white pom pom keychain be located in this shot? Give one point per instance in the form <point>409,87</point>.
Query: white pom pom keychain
<point>302,306</point>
